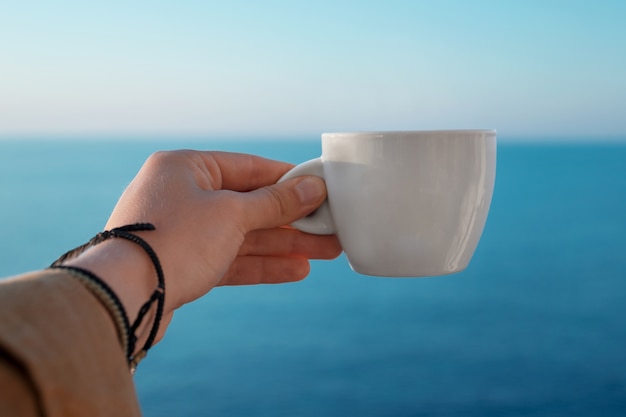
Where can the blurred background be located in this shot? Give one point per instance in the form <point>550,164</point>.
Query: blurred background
<point>536,325</point>
<point>531,69</point>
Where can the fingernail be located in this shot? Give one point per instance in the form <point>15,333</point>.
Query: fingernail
<point>310,189</point>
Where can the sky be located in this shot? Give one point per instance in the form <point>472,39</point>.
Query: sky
<point>530,69</point>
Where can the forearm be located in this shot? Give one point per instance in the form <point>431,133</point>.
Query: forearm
<point>64,343</point>
<point>18,396</point>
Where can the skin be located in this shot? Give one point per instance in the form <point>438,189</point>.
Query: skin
<point>220,220</point>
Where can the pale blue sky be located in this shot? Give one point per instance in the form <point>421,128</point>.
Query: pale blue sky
<point>532,68</point>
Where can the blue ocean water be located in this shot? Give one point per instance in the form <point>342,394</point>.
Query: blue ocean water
<point>536,326</point>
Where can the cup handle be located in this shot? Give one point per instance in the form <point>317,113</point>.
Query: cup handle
<point>320,222</point>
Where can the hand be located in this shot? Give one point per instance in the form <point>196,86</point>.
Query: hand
<point>220,220</point>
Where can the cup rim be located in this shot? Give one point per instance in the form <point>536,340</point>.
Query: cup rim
<point>413,132</point>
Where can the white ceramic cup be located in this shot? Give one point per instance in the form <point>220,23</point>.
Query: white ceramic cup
<point>404,203</point>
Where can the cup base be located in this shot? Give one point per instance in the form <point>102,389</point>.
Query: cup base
<point>405,273</point>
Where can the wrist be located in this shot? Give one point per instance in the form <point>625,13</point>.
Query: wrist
<point>125,269</point>
<point>109,255</point>
<point>128,272</point>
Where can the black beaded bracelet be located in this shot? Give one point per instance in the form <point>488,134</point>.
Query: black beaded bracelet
<point>107,295</point>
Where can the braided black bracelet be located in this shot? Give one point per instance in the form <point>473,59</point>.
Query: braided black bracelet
<point>157,296</point>
<point>107,297</point>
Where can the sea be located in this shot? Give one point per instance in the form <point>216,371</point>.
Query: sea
<point>535,326</point>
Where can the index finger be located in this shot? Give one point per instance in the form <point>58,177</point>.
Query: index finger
<point>243,172</point>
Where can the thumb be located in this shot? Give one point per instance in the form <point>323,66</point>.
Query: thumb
<point>283,203</point>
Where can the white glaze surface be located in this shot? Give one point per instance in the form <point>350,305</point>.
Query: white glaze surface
<point>405,203</point>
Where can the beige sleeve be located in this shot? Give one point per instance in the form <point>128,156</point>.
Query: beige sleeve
<point>59,351</point>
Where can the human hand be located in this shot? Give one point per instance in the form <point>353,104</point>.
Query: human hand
<point>220,220</point>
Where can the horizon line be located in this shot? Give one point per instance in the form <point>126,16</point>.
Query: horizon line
<point>285,136</point>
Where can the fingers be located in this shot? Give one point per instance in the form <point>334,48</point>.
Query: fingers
<point>262,204</point>
<point>289,242</point>
<point>278,255</point>
<point>283,203</point>
<point>224,170</point>
<point>250,270</point>
<point>241,172</point>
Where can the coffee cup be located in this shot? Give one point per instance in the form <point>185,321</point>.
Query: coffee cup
<point>404,203</point>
